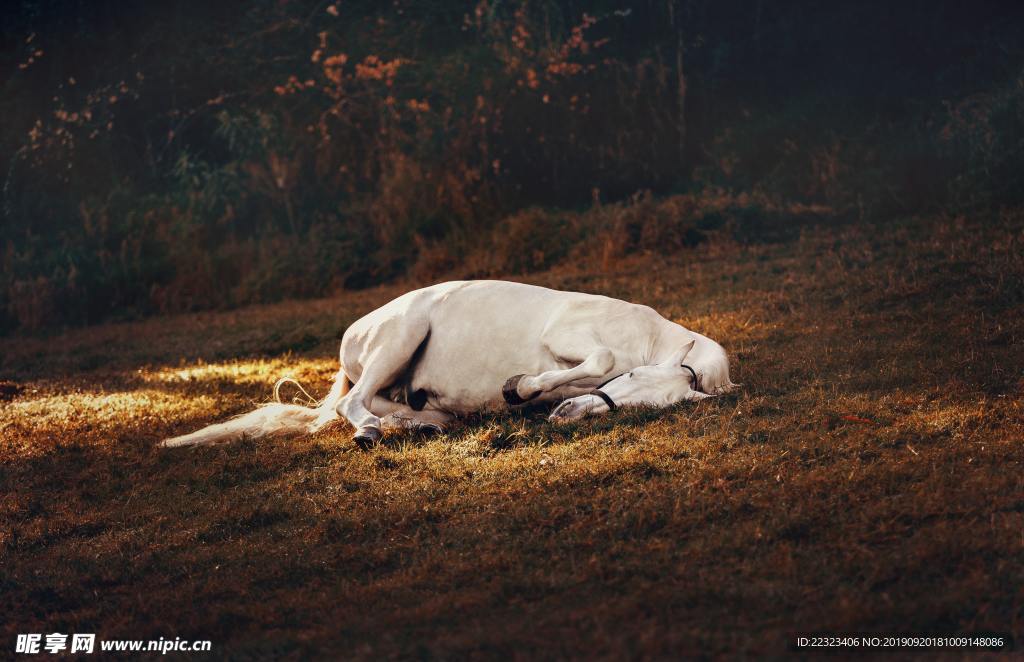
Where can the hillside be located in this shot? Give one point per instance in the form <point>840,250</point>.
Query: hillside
<point>867,476</point>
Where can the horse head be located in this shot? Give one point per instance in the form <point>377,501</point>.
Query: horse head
<point>660,385</point>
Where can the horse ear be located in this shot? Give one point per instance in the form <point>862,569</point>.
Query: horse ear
<point>680,355</point>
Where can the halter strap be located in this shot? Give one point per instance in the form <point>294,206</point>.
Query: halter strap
<point>604,396</point>
<point>696,382</point>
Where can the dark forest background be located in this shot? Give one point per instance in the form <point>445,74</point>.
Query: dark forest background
<point>179,155</point>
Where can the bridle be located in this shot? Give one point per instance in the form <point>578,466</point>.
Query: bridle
<point>604,396</point>
<point>696,380</point>
<point>611,403</point>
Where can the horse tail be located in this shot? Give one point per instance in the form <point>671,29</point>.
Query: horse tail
<point>272,419</point>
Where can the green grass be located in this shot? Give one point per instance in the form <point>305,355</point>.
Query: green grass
<point>868,475</point>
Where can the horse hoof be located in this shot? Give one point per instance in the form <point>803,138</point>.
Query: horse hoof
<point>430,428</point>
<point>366,437</point>
<point>510,391</point>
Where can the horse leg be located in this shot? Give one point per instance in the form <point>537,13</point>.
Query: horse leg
<point>594,361</point>
<point>380,369</point>
<point>397,416</point>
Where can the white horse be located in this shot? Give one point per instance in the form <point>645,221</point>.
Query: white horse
<point>470,346</point>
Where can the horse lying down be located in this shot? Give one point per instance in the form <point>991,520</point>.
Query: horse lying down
<point>471,346</point>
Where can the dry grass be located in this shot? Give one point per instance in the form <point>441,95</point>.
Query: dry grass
<point>867,477</point>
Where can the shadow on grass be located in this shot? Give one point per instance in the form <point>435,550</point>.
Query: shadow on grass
<point>292,544</point>
<point>530,427</point>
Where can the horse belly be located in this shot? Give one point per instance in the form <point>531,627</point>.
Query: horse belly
<point>479,338</point>
<point>458,379</point>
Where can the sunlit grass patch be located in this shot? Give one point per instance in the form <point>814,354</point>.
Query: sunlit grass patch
<point>255,371</point>
<point>34,424</point>
<point>144,404</point>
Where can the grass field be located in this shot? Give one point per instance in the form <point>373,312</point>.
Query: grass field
<point>867,477</point>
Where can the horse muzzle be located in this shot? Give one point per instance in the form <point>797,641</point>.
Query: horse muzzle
<point>576,408</point>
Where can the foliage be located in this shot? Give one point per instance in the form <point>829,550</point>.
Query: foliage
<point>179,156</point>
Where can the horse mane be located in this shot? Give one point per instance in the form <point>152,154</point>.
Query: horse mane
<point>714,372</point>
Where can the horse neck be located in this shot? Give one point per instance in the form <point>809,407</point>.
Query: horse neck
<point>671,337</point>
<point>711,362</point>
